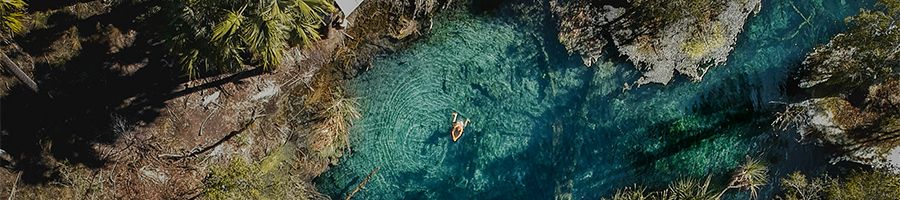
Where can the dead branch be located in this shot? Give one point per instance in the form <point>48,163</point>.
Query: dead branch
<point>198,151</point>
<point>14,68</point>
<point>202,124</point>
<point>13,191</point>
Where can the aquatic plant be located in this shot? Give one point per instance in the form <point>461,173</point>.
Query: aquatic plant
<point>213,35</point>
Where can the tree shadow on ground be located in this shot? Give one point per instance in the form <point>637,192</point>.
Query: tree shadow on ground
<point>52,5</point>
<point>90,99</point>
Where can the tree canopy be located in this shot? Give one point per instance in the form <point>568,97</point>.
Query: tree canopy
<point>226,35</point>
<point>12,14</point>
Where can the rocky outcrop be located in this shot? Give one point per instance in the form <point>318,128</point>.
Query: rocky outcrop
<point>855,88</point>
<point>661,38</point>
<point>576,34</point>
<point>863,136</point>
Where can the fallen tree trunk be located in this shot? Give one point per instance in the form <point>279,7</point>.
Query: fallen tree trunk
<point>12,67</point>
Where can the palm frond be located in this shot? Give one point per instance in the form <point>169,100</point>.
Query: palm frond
<point>9,6</point>
<point>228,27</point>
<point>220,35</point>
<point>12,22</point>
<point>12,16</point>
<point>633,193</point>
<point>311,9</point>
<point>690,189</point>
<point>750,176</point>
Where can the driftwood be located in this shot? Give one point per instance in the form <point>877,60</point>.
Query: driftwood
<point>14,68</point>
<point>363,183</point>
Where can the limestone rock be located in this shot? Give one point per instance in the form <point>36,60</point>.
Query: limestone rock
<point>659,46</point>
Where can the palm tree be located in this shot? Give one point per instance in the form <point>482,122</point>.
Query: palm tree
<point>12,13</point>
<point>216,35</point>
<point>750,176</point>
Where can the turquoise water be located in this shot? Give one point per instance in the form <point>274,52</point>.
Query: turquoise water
<point>544,126</point>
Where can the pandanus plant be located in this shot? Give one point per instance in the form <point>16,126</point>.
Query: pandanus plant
<point>690,189</point>
<point>750,176</point>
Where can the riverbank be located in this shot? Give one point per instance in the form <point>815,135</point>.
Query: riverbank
<point>544,122</point>
<point>116,119</point>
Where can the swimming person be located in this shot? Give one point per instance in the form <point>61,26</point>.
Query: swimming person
<point>458,127</point>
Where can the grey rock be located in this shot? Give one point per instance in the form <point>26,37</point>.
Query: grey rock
<point>688,46</point>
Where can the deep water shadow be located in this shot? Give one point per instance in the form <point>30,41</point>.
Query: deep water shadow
<point>485,6</point>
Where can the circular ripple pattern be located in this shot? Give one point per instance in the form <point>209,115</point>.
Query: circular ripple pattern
<point>543,126</point>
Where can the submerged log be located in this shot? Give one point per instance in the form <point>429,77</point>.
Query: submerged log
<point>363,183</point>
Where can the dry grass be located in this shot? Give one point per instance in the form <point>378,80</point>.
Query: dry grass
<point>330,137</point>
<point>708,39</point>
<point>76,182</point>
<point>62,49</point>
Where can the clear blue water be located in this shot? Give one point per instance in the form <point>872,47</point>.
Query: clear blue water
<point>544,126</point>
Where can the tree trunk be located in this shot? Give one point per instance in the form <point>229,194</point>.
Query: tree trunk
<point>12,67</point>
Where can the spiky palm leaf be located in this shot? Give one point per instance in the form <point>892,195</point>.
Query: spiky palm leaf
<point>306,19</point>
<point>690,189</point>
<point>751,176</point>
<point>12,15</point>
<point>633,193</point>
<point>218,35</point>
